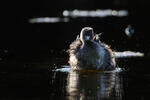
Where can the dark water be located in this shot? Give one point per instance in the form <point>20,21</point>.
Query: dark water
<point>30,53</point>
<point>40,81</point>
<point>27,68</point>
<point>27,71</point>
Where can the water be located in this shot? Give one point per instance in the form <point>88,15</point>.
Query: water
<point>95,13</point>
<point>53,81</point>
<point>28,70</point>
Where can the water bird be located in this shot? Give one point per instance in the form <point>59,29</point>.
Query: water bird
<point>89,53</point>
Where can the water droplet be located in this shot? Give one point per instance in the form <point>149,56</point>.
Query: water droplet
<point>129,31</point>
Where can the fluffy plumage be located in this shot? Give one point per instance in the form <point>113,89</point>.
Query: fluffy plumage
<point>90,53</point>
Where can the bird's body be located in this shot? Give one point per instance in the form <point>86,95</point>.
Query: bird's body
<point>87,52</point>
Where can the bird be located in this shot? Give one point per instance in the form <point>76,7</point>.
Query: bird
<point>87,52</point>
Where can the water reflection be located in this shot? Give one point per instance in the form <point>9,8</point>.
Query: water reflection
<point>94,86</point>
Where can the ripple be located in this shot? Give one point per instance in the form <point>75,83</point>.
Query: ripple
<point>67,69</point>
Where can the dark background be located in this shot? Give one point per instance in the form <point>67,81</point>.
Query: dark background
<point>21,34</point>
<point>28,52</point>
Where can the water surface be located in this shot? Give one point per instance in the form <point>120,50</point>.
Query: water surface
<point>42,80</point>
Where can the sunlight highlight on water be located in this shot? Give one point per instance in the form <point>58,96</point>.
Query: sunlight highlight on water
<point>128,54</point>
<point>67,69</point>
<point>48,20</point>
<point>64,68</point>
<point>95,13</point>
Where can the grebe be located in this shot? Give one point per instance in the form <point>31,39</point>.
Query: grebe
<point>88,52</point>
